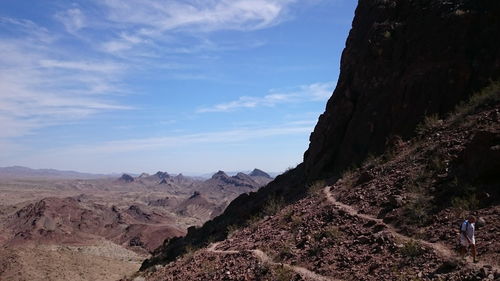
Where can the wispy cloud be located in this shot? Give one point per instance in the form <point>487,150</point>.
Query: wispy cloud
<point>153,21</point>
<point>29,28</point>
<point>306,93</point>
<point>157,15</point>
<point>73,19</point>
<point>230,136</point>
<point>40,88</point>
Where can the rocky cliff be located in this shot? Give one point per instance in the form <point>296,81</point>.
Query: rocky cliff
<point>403,60</point>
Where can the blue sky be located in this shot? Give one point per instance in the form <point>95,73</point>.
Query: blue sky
<point>188,86</point>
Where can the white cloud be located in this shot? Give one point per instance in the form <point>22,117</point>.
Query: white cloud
<point>231,136</point>
<point>38,90</point>
<point>148,21</point>
<point>306,93</point>
<point>206,15</point>
<point>28,28</point>
<point>84,66</point>
<point>72,19</point>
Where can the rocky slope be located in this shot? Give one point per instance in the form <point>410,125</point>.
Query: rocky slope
<point>67,221</point>
<point>387,220</point>
<point>403,60</point>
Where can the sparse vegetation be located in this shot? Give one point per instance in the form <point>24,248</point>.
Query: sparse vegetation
<point>411,249</point>
<point>285,252</point>
<point>371,160</point>
<point>460,195</point>
<point>295,222</point>
<point>466,203</point>
<point>437,163</point>
<point>252,221</point>
<point>490,94</point>
<point>348,177</point>
<point>315,250</point>
<point>418,209</point>
<point>283,274</point>
<point>316,187</point>
<point>273,205</point>
<point>332,233</point>
<point>429,124</point>
<point>231,229</point>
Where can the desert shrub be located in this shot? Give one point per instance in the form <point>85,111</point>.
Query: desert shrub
<point>371,160</point>
<point>437,163</point>
<point>429,124</point>
<point>315,250</point>
<point>231,229</point>
<point>332,233</point>
<point>459,195</point>
<point>489,94</point>
<point>411,248</point>
<point>348,177</point>
<point>418,209</point>
<point>287,216</point>
<point>466,203</point>
<point>273,206</point>
<point>295,222</point>
<point>283,273</point>
<point>189,254</point>
<point>252,222</point>
<point>316,187</point>
<point>285,252</point>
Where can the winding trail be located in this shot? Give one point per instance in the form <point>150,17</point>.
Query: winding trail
<point>263,257</point>
<point>440,249</point>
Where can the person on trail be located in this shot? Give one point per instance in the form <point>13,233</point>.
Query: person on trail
<point>467,239</point>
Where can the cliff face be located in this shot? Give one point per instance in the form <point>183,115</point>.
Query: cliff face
<point>403,60</point>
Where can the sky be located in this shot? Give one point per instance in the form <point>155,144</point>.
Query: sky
<point>191,86</point>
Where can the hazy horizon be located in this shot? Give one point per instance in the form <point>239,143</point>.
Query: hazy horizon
<point>116,86</point>
<point>151,172</point>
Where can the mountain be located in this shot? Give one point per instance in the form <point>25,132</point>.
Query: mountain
<point>70,221</point>
<point>395,217</point>
<point>24,172</point>
<point>197,205</point>
<point>404,60</point>
<point>399,66</point>
<point>259,173</point>
<point>126,178</point>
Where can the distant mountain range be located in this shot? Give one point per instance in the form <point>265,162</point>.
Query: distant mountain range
<point>24,172</point>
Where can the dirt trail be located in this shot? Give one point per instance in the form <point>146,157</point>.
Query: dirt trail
<point>440,249</point>
<point>259,254</point>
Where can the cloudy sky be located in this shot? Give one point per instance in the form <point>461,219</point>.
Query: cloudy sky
<point>188,86</point>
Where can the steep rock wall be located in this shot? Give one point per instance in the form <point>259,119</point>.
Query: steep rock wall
<point>404,59</point>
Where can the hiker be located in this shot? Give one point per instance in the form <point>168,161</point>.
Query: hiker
<point>467,238</point>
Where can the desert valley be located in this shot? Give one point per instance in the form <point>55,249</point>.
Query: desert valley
<point>399,179</point>
<point>56,227</point>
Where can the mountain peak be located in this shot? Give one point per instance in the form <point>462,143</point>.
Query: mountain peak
<point>220,175</point>
<point>162,175</point>
<point>126,178</point>
<point>259,173</point>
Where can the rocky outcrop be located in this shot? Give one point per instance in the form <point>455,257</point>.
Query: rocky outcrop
<point>162,175</point>
<point>239,180</point>
<point>403,60</point>
<point>126,178</point>
<point>259,173</point>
